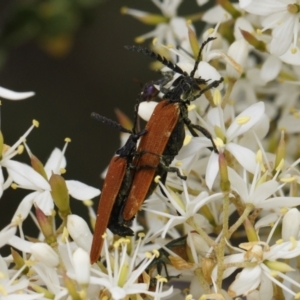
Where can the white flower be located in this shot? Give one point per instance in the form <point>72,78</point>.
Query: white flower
<point>260,194</point>
<point>80,232</point>
<point>15,286</point>
<point>280,15</point>
<point>8,153</point>
<point>123,272</point>
<point>291,224</point>
<point>27,178</point>
<point>44,253</point>
<point>57,163</point>
<point>263,273</point>
<point>227,139</point>
<point>182,208</point>
<point>169,28</point>
<point>81,262</point>
<point>238,50</point>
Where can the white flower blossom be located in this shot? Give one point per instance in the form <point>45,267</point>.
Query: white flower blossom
<point>282,16</point>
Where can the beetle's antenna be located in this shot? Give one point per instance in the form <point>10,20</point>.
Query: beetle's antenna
<point>158,57</point>
<point>109,122</point>
<point>199,55</point>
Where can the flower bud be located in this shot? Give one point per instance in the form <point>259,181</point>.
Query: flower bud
<point>252,40</point>
<point>45,254</point>
<point>37,165</point>
<point>228,6</point>
<point>278,266</point>
<point>81,266</point>
<point>239,52</point>
<point>193,41</point>
<point>290,224</point>
<point>46,225</point>
<point>80,232</point>
<point>60,194</point>
<point>18,260</point>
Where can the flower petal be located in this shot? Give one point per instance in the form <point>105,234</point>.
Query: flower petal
<point>26,176</point>
<point>81,191</point>
<point>245,282</point>
<point>11,95</point>
<point>254,112</point>
<point>6,235</point>
<point>243,155</point>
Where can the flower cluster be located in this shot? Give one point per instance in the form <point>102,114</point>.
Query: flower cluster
<point>232,228</point>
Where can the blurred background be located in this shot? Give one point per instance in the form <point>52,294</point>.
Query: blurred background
<point>70,52</point>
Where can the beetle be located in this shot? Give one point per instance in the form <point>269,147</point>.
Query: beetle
<point>165,128</point>
<point>115,188</point>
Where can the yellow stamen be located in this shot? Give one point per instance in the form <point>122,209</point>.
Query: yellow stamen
<point>14,186</point>
<point>242,120</point>
<point>259,157</point>
<point>35,123</point>
<point>157,178</point>
<point>156,253</point>
<point>20,149</point>
<point>191,107</point>
<point>219,143</point>
<point>294,243</point>
<point>284,210</point>
<point>88,203</point>
<point>294,50</point>
<point>3,290</point>
<point>288,179</point>
<point>217,97</point>
<point>62,170</point>
<point>187,140</point>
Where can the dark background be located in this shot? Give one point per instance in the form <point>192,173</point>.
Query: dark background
<point>96,75</point>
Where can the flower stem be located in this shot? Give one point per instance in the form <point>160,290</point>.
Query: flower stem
<point>241,219</point>
<point>202,233</point>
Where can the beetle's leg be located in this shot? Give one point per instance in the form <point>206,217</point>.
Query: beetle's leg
<point>211,85</point>
<point>162,165</point>
<point>120,229</point>
<point>204,131</point>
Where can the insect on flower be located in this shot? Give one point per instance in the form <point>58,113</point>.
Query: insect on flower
<point>116,187</point>
<point>165,128</point>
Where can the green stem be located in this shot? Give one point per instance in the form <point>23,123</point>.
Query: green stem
<point>201,232</point>
<point>241,219</point>
<point>220,249</point>
<point>198,272</point>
